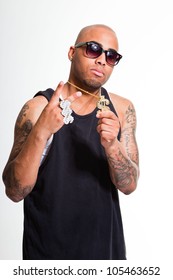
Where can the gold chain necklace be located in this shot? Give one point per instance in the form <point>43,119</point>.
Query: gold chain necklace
<point>102,102</point>
<point>96,96</point>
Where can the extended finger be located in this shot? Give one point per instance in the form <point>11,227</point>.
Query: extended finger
<point>58,92</point>
<point>56,95</point>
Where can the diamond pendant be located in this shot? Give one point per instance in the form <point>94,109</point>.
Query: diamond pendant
<point>66,111</point>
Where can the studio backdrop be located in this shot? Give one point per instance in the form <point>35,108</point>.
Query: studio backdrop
<point>35,38</point>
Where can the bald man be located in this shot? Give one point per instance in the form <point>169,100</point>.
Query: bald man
<point>74,150</point>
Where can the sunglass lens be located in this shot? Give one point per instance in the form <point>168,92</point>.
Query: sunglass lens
<point>112,57</point>
<point>93,50</point>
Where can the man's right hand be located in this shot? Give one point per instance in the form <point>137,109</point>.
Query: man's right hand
<point>51,118</point>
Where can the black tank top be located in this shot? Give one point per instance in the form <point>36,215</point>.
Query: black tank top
<point>73,211</point>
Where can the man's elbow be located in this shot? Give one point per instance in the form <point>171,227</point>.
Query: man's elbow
<point>128,190</point>
<point>17,190</point>
<point>130,187</point>
<point>15,197</point>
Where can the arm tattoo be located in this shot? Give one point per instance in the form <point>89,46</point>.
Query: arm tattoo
<point>21,133</point>
<point>124,171</point>
<point>122,167</point>
<point>128,135</point>
<point>14,189</point>
<point>22,114</point>
<point>130,115</point>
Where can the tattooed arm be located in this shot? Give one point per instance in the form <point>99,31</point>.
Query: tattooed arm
<point>20,172</point>
<point>122,155</point>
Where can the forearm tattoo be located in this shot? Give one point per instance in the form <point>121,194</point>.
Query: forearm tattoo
<point>124,172</point>
<point>123,165</point>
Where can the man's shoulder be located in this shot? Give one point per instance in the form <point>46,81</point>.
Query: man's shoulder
<point>121,104</point>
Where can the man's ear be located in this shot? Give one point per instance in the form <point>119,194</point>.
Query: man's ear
<point>71,53</point>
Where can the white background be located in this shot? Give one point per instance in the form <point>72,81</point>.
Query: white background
<point>35,37</point>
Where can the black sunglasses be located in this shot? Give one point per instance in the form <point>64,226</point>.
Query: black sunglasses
<point>94,50</point>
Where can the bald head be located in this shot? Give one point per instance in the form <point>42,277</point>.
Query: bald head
<point>89,33</point>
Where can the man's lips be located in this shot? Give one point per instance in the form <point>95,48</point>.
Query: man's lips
<point>97,72</point>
